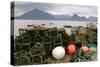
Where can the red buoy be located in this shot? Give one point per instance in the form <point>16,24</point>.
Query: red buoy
<point>71,49</point>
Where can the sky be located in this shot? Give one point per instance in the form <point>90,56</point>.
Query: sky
<point>55,9</point>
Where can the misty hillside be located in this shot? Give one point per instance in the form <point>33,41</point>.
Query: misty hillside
<point>37,14</point>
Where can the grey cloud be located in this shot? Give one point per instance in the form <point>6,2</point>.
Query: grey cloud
<point>56,8</point>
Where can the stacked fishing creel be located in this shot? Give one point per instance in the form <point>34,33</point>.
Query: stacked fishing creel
<point>37,43</point>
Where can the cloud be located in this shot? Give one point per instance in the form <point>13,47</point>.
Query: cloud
<point>67,9</point>
<point>70,9</point>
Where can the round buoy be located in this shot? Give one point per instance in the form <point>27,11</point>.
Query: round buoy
<point>58,52</point>
<point>71,49</point>
<point>84,48</point>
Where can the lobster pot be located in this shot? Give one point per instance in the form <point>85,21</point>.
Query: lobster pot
<point>22,60</point>
<point>35,59</point>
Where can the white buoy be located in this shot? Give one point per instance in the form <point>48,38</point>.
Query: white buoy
<point>58,52</point>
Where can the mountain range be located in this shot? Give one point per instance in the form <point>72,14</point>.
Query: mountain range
<point>36,14</point>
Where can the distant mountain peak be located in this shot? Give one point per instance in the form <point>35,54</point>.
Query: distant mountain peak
<point>76,15</point>
<point>92,18</point>
<point>37,14</point>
